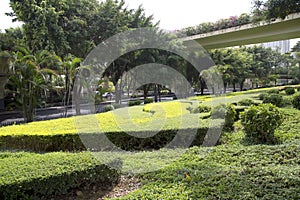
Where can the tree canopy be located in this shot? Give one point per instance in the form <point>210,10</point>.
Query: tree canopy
<point>74,26</point>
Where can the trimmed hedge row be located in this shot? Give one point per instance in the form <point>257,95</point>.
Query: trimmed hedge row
<point>161,139</point>
<point>25,175</point>
<point>42,143</point>
<point>124,140</point>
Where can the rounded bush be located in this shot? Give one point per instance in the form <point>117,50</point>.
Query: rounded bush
<point>289,90</point>
<point>296,101</point>
<point>134,103</point>
<point>116,105</point>
<point>108,108</point>
<point>274,99</point>
<point>226,112</point>
<point>287,101</point>
<point>262,96</point>
<point>148,100</point>
<point>259,122</point>
<point>273,91</point>
<point>246,102</point>
<point>201,109</point>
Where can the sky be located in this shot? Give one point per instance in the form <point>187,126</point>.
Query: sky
<point>172,14</point>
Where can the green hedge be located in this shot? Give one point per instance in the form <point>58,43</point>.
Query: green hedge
<point>160,140</point>
<point>42,143</point>
<point>124,140</point>
<point>40,176</point>
<point>227,172</point>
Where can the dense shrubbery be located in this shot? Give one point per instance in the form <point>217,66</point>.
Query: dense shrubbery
<point>273,91</point>
<point>148,100</point>
<point>219,25</point>
<point>260,122</point>
<point>201,109</point>
<point>135,103</point>
<point>108,108</point>
<point>124,140</point>
<point>227,172</point>
<point>289,90</point>
<point>226,112</point>
<point>261,96</point>
<point>39,176</point>
<point>246,102</point>
<point>296,101</point>
<point>275,99</point>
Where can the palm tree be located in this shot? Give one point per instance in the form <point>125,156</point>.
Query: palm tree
<point>29,80</point>
<point>70,66</point>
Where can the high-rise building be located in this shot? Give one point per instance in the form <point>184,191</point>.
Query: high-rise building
<point>282,46</point>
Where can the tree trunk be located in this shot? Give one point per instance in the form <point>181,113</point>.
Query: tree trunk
<point>146,89</point>
<point>241,85</point>
<point>155,93</point>
<point>225,88</point>
<point>234,89</point>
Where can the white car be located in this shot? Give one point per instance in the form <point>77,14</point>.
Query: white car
<point>107,95</point>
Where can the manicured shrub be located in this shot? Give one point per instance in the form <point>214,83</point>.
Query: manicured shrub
<point>296,101</point>
<point>241,172</point>
<point>238,110</point>
<point>40,176</point>
<point>226,112</point>
<point>108,108</point>
<point>124,140</point>
<point>201,109</point>
<point>260,122</point>
<point>274,99</point>
<point>273,91</point>
<point>287,101</point>
<point>134,103</point>
<point>148,100</point>
<point>246,102</point>
<point>262,96</point>
<point>116,105</point>
<point>289,90</point>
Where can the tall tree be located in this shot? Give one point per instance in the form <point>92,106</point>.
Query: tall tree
<point>74,26</point>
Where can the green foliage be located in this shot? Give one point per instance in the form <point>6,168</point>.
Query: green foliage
<point>275,99</point>
<point>246,102</point>
<point>296,101</point>
<point>135,103</point>
<point>148,100</point>
<point>273,91</point>
<point>287,101</point>
<point>219,25</point>
<point>227,172</point>
<point>289,90</point>
<point>260,122</point>
<point>201,109</point>
<point>226,112</point>
<point>116,106</point>
<point>74,26</point>
<point>161,138</point>
<point>108,108</point>
<point>262,96</point>
<point>11,39</point>
<point>37,176</point>
<point>29,79</point>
